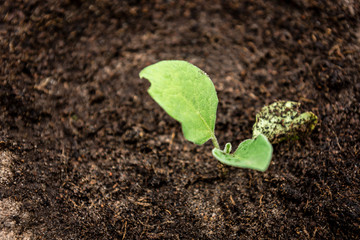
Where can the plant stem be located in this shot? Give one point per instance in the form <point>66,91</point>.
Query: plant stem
<point>215,142</point>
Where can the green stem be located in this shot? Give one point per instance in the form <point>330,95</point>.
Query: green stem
<point>215,142</point>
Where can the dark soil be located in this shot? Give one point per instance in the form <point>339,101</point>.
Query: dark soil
<point>87,154</point>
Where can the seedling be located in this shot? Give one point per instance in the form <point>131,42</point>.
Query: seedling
<point>188,95</point>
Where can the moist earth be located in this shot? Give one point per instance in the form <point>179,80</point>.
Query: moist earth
<point>85,153</point>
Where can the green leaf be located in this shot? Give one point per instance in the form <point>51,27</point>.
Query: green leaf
<point>251,153</point>
<point>187,94</point>
<point>227,148</point>
<point>282,120</point>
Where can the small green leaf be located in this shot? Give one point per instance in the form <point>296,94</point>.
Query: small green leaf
<point>282,120</point>
<point>187,94</point>
<point>251,153</point>
<point>227,148</point>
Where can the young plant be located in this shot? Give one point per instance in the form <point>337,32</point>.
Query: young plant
<point>188,95</point>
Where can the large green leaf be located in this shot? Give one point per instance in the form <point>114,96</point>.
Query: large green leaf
<point>187,94</point>
<point>251,153</point>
